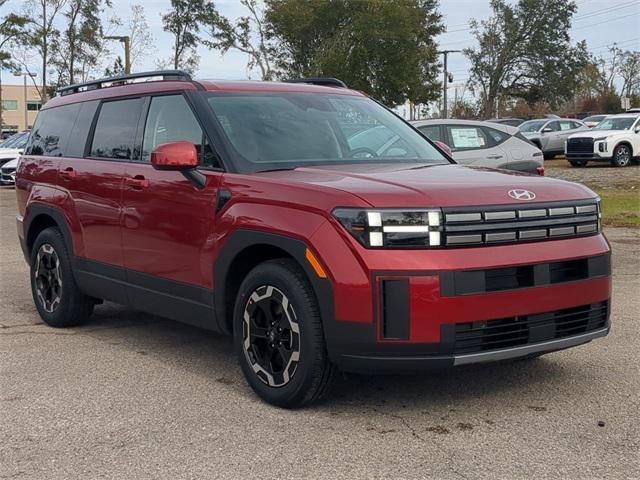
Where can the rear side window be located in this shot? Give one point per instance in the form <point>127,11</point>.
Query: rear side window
<point>115,131</point>
<point>170,119</point>
<point>432,132</point>
<point>468,137</point>
<point>497,136</point>
<point>52,131</point>
<point>78,138</point>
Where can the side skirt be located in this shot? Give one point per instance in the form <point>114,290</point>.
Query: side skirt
<point>159,296</point>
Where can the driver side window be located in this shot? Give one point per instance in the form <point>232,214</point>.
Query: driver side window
<point>170,119</point>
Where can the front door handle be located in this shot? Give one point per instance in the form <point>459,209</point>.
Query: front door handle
<point>494,157</point>
<point>68,173</point>
<point>137,183</point>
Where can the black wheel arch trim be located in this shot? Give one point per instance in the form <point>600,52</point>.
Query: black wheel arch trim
<point>36,210</point>
<point>242,239</point>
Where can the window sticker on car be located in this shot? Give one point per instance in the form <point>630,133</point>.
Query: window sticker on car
<point>467,138</point>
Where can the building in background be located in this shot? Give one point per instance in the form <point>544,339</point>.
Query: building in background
<point>13,108</point>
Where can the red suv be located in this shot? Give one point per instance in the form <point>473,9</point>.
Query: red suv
<point>307,220</point>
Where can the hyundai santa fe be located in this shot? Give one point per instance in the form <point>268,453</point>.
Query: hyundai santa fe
<point>256,209</point>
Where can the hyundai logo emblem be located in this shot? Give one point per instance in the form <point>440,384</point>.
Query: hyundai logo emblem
<point>522,194</point>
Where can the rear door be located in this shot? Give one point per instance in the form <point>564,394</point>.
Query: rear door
<point>168,222</point>
<point>472,145</point>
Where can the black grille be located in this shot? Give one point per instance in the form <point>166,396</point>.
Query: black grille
<point>580,145</point>
<point>511,332</point>
<point>473,282</point>
<point>520,223</point>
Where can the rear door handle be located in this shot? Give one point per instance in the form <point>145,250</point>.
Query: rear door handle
<point>68,173</point>
<point>137,183</point>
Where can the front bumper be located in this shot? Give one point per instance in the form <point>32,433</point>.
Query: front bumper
<point>591,157</point>
<point>416,310</point>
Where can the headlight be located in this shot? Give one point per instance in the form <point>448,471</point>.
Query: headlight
<point>600,139</point>
<point>390,228</point>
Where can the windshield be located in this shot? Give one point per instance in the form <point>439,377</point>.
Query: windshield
<point>19,140</point>
<point>271,131</point>
<point>532,126</point>
<point>614,123</point>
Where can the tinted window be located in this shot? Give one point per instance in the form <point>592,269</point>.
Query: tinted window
<point>170,119</point>
<point>288,130</point>
<point>432,132</point>
<point>52,131</point>
<point>554,126</point>
<point>115,131</point>
<point>497,136</point>
<point>464,137</point>
<point>78,138</point>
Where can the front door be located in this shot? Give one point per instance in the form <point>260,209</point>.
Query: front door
<point>168,223</point>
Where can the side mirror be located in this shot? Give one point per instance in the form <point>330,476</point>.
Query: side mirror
<point>547,130</point>
<point>175,156</point>
<point>182,157</point>
<point>444,147</point>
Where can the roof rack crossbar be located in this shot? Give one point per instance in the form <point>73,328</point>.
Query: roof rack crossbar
<point>325,82</point>
<point>120,79</point>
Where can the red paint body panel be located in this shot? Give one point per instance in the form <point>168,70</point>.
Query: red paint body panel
<point>128,214</point>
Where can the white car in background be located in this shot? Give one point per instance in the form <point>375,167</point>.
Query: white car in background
<point>616,139</point>
<point>10,152</point>
<point>484,144</point>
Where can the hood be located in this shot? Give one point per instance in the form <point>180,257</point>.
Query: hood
<point>598,133</point>
<point>408,185</point>
<point>10,153</point>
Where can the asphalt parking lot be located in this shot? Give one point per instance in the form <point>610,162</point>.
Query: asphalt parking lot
<point>135,396</point>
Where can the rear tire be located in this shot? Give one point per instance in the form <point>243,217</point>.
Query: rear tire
<point>55,293</point>
<point>621,156</point>
<point>578,163</point>
<point>279,337</point>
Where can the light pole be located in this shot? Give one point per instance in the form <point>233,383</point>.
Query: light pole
<point>127,46</point>
<point>24,75</point>
<point>445,79</point>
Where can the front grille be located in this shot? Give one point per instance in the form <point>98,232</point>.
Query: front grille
<point>512,332</point>
<point>520,223</point>
<point>580,145</point>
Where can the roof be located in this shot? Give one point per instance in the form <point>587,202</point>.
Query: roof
<point>114,88</point>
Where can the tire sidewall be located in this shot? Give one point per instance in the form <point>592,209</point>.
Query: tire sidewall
<point>615,156</point>
<point>54,238</point>
<point>279,276</point>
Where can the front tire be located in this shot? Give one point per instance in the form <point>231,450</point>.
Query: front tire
<point>621,156</point>
<point>279,337</point>
<point>55,293</point>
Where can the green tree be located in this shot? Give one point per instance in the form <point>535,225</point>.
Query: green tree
<point>524,51</point>
<point>184,22</point>
<point>12,29</point>
<point>386,49</point>
<point>116,69</point>
<point>79,45</point>
<point>247,34</point>
<point>43,34</point>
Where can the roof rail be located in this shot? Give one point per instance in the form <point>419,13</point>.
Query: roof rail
<point>123,79</point>
<point>325,82</point>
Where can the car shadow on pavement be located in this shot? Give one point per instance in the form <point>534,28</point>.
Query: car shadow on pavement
<point>211,357</point>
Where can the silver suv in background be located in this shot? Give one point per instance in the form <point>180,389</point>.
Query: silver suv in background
<point>484,144</point>
<point>550,134</point>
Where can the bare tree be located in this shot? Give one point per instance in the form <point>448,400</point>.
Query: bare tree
<point>183,21</point>
<point>141,38</point>
<point>630,73</point>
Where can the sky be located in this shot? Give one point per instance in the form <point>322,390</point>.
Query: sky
<point>600,22</point>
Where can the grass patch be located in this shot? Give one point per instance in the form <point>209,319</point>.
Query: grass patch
<point>620,206</point>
